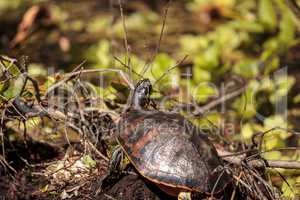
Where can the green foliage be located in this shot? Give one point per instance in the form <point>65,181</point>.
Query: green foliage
<point>246,68</point>
<point>283,84</point>
<point>10,5</point>
<point>203,91</point>
<point>36,70</point>
<point>288,190</point>
<point>98,24</point>
<point>135,22</point>
<point>99,54</point>
<point>267,14</point>
<point>10,87</point>
<point>88,161</point>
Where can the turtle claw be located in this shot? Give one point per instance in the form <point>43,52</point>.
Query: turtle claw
<point>184,196</point>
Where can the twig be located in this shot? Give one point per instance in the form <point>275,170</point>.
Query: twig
<point>2,134</point>
<point>68,76</point>
<point>125,36</point>
<point>98,152</point>
<point>170,69</point>
<point>294,7</point>
<point>216,102</point>
<point>238,180</point>
<point>23,67</point>
<point>127,66</point>
<point>147,65</point>
<point>109,197</point>
<point>242,182</point>
<point>256,163</point>
<point>2,159</point>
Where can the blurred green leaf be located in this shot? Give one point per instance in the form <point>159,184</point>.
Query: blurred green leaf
<point>200,75</point>
<point>227,38</point>
<point>14,88</point>
<point>4,85</point>
<point>99,23</point>
<point>100,54</point>
<point>10,67</point>
<point>247,131</point>
<point>277,121</point>
<point>267,14</point>
<point>209,120</point>
<point>35,70</point>
<point>208,59</point>
<point>272,155</point>
<point>266,84</point>
<point>249,26</point>
<point>159,67</point>
<point>49,81</point>
<point>246,104</point>
<point>287,25</point>
<point>296,99</point>
<point>272,65</point>
<point>137,21</point>
<point>272,141</point>
<point>287,188</point>
<point>203,91</point>
<point>88,161</point>
<point>106,93</point>
<point>283,84</point>
<point>247,68</point>
<point>9,5</point>
<point>191,44</point>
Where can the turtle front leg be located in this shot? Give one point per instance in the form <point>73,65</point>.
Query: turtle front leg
<point>114,170</point>
<point>116,160</point>
<point>184,196</point>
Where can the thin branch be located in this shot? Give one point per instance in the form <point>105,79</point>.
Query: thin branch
<point>294,7</point>
<point>212,104</point>
<point>256,163</point>
<point>69,76</point>
<point>98,152</point>
<point>125,36</point>
<point>2,133</point>
<point>147,65</point>
<point>170,69</point>
<point>127,66</point>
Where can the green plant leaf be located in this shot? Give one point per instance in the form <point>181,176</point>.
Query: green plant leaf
<point>200,75</point>
<point>88,161</point>
<point>203,91</point>
<point>272,155</point>
<point>246,68</point>
<point>246,104</point>
<point>272,141</point>
<point>208,59</point>
<point>296,99</point>
<point>247,131</point>
<point>283,84</point>
<point>267,14</point>
<point>277,121</point>
<point>287,188</point>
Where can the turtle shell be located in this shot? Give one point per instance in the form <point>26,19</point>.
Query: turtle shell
<point>169,150</point>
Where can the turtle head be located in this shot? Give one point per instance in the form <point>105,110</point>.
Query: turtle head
<point>141,94</point>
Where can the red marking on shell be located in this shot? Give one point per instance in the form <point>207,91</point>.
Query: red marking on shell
<point>129,127</point>
<point>143,141</point>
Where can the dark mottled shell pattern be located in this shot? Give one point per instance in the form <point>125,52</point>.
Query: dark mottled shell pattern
<point>168,149</point>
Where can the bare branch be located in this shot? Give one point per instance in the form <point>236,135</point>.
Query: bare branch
<point>219,101</point>
<point>147,65</point>
<point>256,163</point>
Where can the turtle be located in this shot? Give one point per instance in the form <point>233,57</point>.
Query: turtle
<point>166,149</point>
